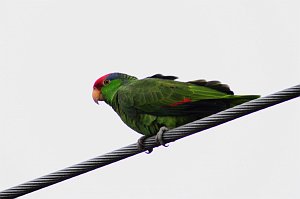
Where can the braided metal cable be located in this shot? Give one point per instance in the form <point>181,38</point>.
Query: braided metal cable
<point>169,136</point>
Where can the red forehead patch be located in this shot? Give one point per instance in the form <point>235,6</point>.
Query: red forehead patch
<point>99,82</point>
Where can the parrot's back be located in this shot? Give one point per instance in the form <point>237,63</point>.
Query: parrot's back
<point>148,104</point>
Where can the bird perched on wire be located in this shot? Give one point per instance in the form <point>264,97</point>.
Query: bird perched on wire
<point>152,105</point>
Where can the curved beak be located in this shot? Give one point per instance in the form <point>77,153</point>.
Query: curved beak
<point>97,95</point>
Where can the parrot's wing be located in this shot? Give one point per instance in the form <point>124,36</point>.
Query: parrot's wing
<point>163,97</point>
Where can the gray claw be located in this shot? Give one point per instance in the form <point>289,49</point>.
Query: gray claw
<point>159,136</point>
<point>141,145</point>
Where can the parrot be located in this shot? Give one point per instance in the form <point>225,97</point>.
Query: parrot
<point>155,104</point>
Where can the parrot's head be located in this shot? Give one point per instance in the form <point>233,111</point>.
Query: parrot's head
<point>106,86</point>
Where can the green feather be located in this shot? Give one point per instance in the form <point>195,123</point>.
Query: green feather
<point>146,105</point>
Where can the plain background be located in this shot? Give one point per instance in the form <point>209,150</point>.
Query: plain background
<point>51,52</point>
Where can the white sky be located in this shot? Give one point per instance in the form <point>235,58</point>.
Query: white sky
<point>51,52</point>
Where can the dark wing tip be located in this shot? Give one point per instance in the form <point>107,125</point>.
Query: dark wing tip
<point>160,76</point>
<point>214,85</point>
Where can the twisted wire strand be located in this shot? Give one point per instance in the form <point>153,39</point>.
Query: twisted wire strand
<point>169,136</point>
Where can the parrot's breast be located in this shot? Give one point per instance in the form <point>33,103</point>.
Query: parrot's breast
<point>149,125</point>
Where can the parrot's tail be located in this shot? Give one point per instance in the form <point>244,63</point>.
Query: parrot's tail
<point>240,99</point>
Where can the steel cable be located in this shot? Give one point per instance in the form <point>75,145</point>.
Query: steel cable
<point>169,136</point>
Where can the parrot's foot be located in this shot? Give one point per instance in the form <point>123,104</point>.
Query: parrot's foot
<point>141,145</point>
<point>159,136</point>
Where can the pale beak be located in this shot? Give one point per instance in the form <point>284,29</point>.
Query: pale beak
<point>97,95</point>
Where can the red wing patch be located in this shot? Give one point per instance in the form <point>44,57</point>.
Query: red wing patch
<point>185,100</point>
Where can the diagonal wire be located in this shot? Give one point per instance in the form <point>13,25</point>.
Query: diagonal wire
<point>169,136</point>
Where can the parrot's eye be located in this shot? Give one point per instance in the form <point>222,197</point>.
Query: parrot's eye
<point>107,81</point>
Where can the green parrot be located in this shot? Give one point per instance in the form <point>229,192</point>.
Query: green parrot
<point>157,103</point>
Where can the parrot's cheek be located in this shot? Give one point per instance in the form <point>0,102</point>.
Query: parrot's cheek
<point>97,95</point>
